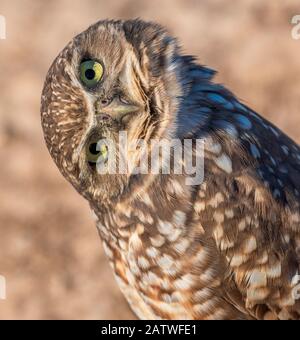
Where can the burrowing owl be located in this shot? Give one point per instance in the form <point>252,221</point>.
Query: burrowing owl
<point>225,248</point>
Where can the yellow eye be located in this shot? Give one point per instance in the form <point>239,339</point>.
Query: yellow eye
<point>91,73</point>
<point>97,153</point>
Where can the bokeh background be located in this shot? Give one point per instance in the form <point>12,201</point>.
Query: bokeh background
<point>50,252</point>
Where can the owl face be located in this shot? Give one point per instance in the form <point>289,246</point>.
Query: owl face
<point>116,76</point>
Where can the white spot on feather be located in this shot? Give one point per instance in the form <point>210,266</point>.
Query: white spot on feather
<point>214,202</point>
<point>224,163</point>
<point>152,252</point>
<point>257,279</point>
<point>165,227</point>
<point>242,225</point>
<point>151,279</point>
<point>157,241</point>
<point>212,146</point>
<point>185,282</point>
<point>206,307</point>
<point>165,262</point>
<point>203,294</point>
<point>143,262</point>
<point>250,245</point>
<point>199,206</point>
<point>218,217</point>
<point>274,271</point>
<point>238,260</point>
<point>179,218</point>
<point>182,246</point>
<point>135,242</point>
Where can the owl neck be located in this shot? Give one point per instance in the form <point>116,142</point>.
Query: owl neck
<point>193,111</point>
<point>203,102</point>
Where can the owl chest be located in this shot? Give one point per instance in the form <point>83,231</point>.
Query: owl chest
<point>153,271</point>
<point>147,283</point>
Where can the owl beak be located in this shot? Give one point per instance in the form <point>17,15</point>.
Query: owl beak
<point>116,108</point>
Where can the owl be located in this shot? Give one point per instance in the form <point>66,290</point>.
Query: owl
<point>227,247</point>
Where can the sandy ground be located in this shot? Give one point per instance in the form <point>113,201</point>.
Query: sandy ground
<point>50,252</point>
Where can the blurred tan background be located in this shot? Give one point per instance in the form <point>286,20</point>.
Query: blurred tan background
<point>50,252</point>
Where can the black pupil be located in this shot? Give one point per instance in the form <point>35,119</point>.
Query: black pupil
<point>90,74</point>
<point>93,149</point>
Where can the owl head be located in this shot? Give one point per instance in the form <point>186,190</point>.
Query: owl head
<point>115,76</point>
